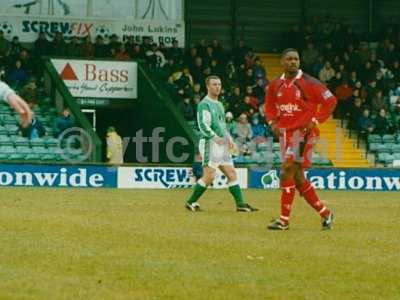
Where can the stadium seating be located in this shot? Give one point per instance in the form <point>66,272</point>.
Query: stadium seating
<point>15,147</point>
<point>386,148</point>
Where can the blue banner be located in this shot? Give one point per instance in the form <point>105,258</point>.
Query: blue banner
<point>57,176</point>
<point>334,179</point>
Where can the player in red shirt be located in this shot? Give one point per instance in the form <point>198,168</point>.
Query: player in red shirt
<point>295,104</point>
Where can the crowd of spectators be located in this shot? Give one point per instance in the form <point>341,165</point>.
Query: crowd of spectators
<point>182,71</point>
<point>364,75</point>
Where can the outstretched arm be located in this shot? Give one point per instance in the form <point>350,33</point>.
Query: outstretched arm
<point>17,103</point>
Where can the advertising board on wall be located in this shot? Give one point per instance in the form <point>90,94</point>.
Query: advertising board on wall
<point>335,179</point>
<point>98,79</point>
<point>28,27</point>
<point>168,177</point>
<point>57,176</point>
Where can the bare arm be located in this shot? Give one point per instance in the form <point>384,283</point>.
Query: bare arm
<point>21,107</point>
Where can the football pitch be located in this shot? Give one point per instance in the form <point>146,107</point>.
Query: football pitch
<point>143,244</point>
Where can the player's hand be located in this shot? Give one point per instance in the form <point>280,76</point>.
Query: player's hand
<point>26,118</point>
<point>233,149</point>
<point>22,108</point>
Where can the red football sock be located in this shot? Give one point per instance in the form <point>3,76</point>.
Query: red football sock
<point>287,197</point>
<point>308,192</point>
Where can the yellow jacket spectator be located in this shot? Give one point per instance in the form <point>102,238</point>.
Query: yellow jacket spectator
<point>114,147</point>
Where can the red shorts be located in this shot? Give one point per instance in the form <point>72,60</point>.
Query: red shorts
<point>296,146</point>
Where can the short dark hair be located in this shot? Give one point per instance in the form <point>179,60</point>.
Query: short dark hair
<point>287,50</point>
<point>211,77</point>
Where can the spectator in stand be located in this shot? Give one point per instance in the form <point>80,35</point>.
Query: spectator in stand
<point>155,57</point>
<point>121,53</point>
<point>353,78</point>
<point>326,73</point>
<point>381,123</point>
<point>63,122</point>
<point>26,61</point>
<point>259,90</point>
<point>258,69</point>
<point>391,55</point>
<point>365,122</point>
<point>30,93</point>
<point>364,52</point>
<point>197,70</point>
<point>196,100</point>
<point>15,49</point>
<point>184,80</point>
<point>318,66</point>
<point>34,130</point>
<point>216,69</point>
<point>309,57</point>
<point>328,52</point>
<point>248,79</point>
<point>343,94</point>
<point>58,45</point>
<point>231,77</point>
<point>88,49</point>
<point>239,53</point>
<point>336,81</point>
<point>186,108</point>
<point>355,112</point>
<point>197,91</point>
<point>397,106</point>
<point>367,73</point>
<point>378,102</point>
<point>395,71</point>
<point>208,56</point>
<point>114,43</point>
<point>190,57</point>
<point>259,130</point>
<point>231,124</point>
<point>137,52</point>
<point>218,51</point>
<point>18,76</point>
<point>115,153</point>
<point>41,47</point>
<point>243,130</point>
<point>380,81</point>
<point>4,47</point>
<point>253,101</point>
<point>249,59</point>
<point>74,47</point>
<point>146,44</point>
<point>101,50</point>
<point>175,52</point>
<point>352,58</point>
<point>202,48</point>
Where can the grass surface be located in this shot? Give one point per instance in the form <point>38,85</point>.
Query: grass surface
<point>142,244</point>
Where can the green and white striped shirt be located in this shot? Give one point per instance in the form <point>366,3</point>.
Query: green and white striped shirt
<point>211,118</point>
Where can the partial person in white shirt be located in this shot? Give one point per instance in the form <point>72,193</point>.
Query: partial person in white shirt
<point>17,103</point>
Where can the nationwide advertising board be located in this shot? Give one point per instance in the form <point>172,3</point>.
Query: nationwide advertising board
<point>27,28</point>
<point>168,177</point>
<point>334,179</point>
<point>57,176</point>
<point>98,79</point>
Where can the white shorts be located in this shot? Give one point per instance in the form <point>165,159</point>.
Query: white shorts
<point>214,155</point>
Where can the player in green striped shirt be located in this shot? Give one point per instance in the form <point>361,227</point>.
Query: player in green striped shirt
<point>215,148</point>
